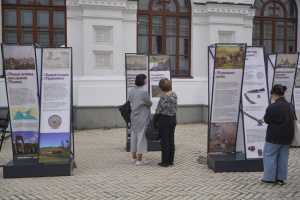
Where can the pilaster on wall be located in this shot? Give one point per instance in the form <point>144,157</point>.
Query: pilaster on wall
<point>219,22</point>
<point>108,31</point>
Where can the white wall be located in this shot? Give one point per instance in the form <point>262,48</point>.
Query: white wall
<point>100,32</point>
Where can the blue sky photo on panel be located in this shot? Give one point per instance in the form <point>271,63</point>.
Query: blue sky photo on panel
<point>53,139</point>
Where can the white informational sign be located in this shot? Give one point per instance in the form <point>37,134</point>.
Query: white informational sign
<point>135,64</point>
<point>297,91</point>
<point>22,95</point>
<point>255,100</point>
<point>55,121</point>
<point>226,90</point>
<point>284,74</point>
<point>159,67</point>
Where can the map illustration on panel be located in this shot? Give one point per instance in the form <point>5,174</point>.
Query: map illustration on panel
<point>57,59</point>
<point>24,113</point>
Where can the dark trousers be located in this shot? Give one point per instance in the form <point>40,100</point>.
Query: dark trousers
<point>167,126</point>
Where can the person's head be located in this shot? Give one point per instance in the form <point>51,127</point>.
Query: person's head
<point>278,91</point>
<point>140,80</point>
<point>165,85</point>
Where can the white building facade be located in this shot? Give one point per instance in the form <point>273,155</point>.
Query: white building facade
<point>100,32</point>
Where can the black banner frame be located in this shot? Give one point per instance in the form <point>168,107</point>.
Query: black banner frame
<point>228,162</point>
<point>152,145</point>
<point>30,167</point>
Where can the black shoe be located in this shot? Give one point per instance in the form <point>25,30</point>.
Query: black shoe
<point>171,164</point>
<point>163,165</point>
<point>263,181</point>
<point>280,182</point>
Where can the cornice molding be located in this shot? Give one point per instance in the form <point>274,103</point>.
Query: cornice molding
<point>248,2</point>
<point>224,9</point>
<point>128,5</point>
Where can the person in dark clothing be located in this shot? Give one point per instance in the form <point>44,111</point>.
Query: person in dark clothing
<point>280,132</point>
<point>166,112</point>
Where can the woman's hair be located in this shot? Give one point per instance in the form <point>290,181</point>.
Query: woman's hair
<point>139,79</point>
<point>165,85</point>
<point>278,89</point>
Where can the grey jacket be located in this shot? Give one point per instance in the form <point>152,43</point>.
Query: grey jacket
<point>140,112</point>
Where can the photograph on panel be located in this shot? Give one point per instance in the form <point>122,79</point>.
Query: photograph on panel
<point>19,57</point>
<point>230,57</point>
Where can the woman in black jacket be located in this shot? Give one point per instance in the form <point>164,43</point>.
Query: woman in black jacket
<point>280,132</point>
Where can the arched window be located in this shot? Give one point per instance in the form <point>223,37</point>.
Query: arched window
<point>34,21</point>
<point>275,25</point>
<point>164,27</point>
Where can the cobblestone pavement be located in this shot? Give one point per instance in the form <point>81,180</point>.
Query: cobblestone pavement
<point>104,172</point>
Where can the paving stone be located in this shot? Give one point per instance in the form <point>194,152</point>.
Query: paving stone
<point>104,172</point>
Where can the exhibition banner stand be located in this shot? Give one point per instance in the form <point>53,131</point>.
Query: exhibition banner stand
<point>226,144</point>
<point>155,67</point>
<point>20,63</point>
<point>283,67</point>
<point>296,95</point>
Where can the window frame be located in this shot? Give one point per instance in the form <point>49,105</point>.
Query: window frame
<point>164,35</point>
<point>35,7</point>
<point>261,19</point>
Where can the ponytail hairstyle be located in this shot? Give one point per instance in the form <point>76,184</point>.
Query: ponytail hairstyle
<point>278,89</point>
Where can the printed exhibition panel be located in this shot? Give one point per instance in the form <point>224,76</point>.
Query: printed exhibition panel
<point>22,96</point>
<point>135,64</point>
<point>255,100</point>
<point>55,118</point>
<point>159,67</point>
<point>285,69</point>
<point>227,85</point>
<point>297,91</point>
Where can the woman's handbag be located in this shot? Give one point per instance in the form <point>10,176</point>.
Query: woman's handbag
<point>296,140</point>
<point>152,131</point>
<point>125,110</point>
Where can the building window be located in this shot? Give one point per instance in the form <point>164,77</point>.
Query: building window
<point>34,21</point>
<point>164,27</point>
<point>275,25</point>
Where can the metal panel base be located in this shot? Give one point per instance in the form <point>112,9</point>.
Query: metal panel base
<point>152,145</point>
<point>234,163</point>
<point>24,168</point>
